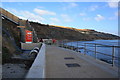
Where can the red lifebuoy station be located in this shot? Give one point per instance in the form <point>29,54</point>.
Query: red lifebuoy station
<point>28,36</point>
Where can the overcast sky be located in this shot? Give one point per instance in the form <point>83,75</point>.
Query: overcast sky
<point>101,16</point>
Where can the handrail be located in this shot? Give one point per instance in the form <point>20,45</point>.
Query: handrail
<point>103,53</point>
<point>95,45</point>
<point>113,51</point>
<point>103,45</point>
<point>10,19</point>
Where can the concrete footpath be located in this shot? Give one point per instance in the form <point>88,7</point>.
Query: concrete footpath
<point>60,63</point>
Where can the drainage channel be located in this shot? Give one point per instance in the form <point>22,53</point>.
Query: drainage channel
<point>69,58</point>
<point>71,64</point>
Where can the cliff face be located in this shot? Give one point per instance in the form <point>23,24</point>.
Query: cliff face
<point>10,36</point>
<point>57,32</point>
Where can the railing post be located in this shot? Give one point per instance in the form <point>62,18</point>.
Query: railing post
<point>77,46</point>
<point>71,45</point>
<point>113,53</point>
<point>66,43</point>
<point>95,52</point>
<point>59,43</point>
<point>63,43</point>
<point>84,48</point>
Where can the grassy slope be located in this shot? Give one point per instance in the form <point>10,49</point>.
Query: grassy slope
<point>61,32</point>
<point>46,31</point>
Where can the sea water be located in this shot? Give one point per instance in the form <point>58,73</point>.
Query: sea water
<point>99,48</point>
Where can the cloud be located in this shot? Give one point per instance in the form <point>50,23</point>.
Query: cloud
<point>66,18</point>
<point>112,18</point>
<point>70,5</point>
<point>99,17</point>
<point>54,19</point>
<point>116,14</point>
<point>113,4</point>
<point>93,8</point>
<point>23,14</point>
<point>41,7</point>
<point>82,14</point>
<point>52,23</point>
<point>31,16</point>
<point>43,12</point>
<point>86,19</point>
<point>73,4</point>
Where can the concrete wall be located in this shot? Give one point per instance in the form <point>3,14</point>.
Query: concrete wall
<point>29,46</point>
<point>37,69</point>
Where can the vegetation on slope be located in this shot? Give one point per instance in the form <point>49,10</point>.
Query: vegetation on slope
<point>61,32</point>
<point>11,35</point>
<point>10,39</point>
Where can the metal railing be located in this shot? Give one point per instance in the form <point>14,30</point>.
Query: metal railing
<point>85,46</point>
<point>101,45</point>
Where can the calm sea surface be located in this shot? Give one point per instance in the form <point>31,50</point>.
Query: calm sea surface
<point>99,48</point>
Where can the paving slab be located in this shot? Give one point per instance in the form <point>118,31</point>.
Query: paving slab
<point>56,65</point>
